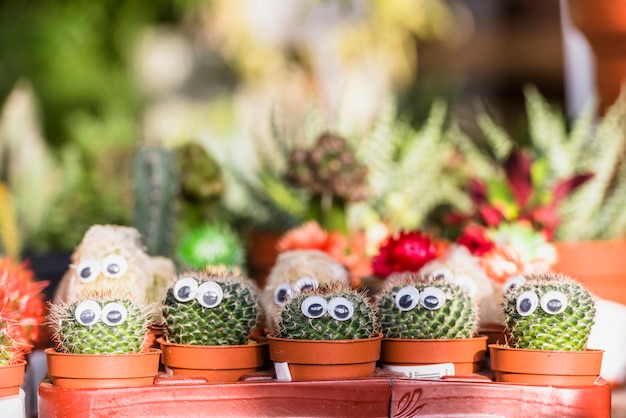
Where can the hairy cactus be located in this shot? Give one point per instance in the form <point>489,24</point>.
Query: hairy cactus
<point>549,312</point>
<point>12,349</point>
<point>211,307</point>
<point>155,186</point>
<point>333,311</point>
<point>101,323</point>
<point>414,306</point>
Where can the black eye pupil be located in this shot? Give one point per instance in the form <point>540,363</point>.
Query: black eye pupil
<point>113,268</point>
<point>184,292</point>
<point>525,306</point>
<point>554,305</point>
<point>87,316</point>
<point>306,287</point>
<point>114,316</point>
<point>85,273</point>
<point>342,311</point>
<point>431,301</point>
<point>210,298</point>
<point>406,301</point>
<point>316,309</point>
<point>282,295</point>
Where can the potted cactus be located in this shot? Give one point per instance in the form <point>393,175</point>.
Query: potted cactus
<point>12,361</point>
<point>549,318</point>
<point>211,317</point>
<point>103,340</point>
<point>429,324</point>
<point>324,333</point>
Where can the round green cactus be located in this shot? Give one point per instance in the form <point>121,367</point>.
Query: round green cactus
<point>101,323</point>
<point>549,312</point>
<point>332,311</point>
<point>211,307</point>
<point>414,306</point>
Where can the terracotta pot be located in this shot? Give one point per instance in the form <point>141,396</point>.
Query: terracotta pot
<point>545,367</point>
<point>102,370</point>
<point>11,377</point>
<point>603,23</point>
<point>262,254</point>
<point>219,363</point>
<point>325,359</point>
<point>599,265</point>
<point>466,355</point>
<point>495,333</point>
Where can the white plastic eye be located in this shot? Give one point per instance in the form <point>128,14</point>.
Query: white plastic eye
<point>114,314</point>
<point>114,266</point>
<point>553,302</point>
<point>407,298</point>
<point>305,283</point>
<point>87,270</point>
<point>432,298</point>
<point>512,283</point>
<point>527,302</point>
<point>210,294</point>
<point>281,293</point>
<point>87,312</point>
<point>185,289</point>
<point>314,307</point>
<point>340,309</point>
<point>445,274</point>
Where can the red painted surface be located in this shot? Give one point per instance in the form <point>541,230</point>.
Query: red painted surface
<point>368,397</point>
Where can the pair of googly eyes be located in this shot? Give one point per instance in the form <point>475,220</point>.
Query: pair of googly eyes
<point>88,312</point>
<point>208,294</point>
<point>409,297</point>
<point>338,308</point>
<point>286,290</point>
<point>113,266</point>
<point>552,303</point>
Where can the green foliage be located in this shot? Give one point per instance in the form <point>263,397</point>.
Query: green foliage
<point>211,245</point>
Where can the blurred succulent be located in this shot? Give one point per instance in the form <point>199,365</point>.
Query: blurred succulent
<point>211,245</point>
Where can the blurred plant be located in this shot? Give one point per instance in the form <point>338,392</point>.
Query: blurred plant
<point>12,350</point>
<point>406,251</point>
<point>211,245</point>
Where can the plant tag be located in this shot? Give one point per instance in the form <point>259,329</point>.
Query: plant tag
<point>282,371</point>
<point>426,372</point>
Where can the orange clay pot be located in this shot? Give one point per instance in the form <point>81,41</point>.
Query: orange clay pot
<point>11,377</point>
<point>495,333</point>
<point>324,359</point>
<point>466,354</point>
<point>218,363</point>
<point>102,370</point>
<point>599,265</point>
<point>545,367</point>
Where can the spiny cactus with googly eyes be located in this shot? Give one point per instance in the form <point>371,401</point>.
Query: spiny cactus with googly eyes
<point>211,307</point>
<point>414,306</point>
<point>549,312</point>
<point>331,311</point>
<point>101,323</point>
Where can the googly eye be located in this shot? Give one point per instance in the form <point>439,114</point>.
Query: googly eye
<point>305,283</point>
<point>340,309</point>
<point>527,302</point>
<point>114,266</point>
<point>210,294</point>
<point>114,314</point>
<point>407,298</point>
<point>281,293</point>
<point>185,289</point>
<point>513,283</point>
<point>87,270</point>
<point>445,274</point>
<point>553,302</point>
<point>87,312</point>
<point>314,307</point>
<point>432,298</point>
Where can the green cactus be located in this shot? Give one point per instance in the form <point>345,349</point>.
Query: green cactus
<point>211,245</point>
<point>155,186</point>
<point>549,312</point>
<point>414,306</point>
<point>11,349</point>
<point>211,307</point>
<point>101,323</point>
<point>332,311</point>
